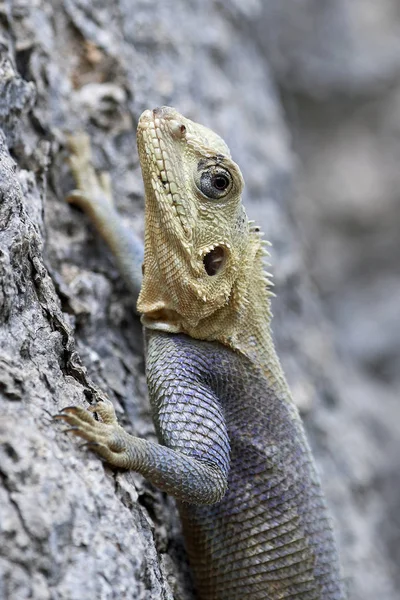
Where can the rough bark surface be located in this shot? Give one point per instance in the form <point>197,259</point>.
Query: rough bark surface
<point>71,528</point>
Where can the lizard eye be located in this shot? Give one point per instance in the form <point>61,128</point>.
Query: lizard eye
<point>215,183</point>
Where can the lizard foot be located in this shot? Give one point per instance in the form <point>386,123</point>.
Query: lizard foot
<point>106,437</point>
<point>92,188</point>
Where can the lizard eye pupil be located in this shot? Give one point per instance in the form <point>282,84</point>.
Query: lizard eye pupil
<point>220,182</point>
<point>215,182</point>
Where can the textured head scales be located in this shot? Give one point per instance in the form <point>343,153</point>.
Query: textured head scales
<point>200,250</point>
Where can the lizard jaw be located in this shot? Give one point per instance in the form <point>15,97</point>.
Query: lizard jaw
<point>159,130</point>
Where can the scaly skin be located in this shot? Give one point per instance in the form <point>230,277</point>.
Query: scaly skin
<point>232,446</point>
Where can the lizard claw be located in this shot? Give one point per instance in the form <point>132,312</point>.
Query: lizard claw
<point>70,430</point>
<point>71,413</point>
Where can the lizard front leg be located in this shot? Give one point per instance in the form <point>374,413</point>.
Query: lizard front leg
<point>178,472</point>
<point>94,196</point>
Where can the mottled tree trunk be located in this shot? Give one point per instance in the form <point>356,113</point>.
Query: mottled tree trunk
<point>71,528</point>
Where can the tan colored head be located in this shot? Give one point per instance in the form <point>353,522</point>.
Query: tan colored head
<point>201,253</point>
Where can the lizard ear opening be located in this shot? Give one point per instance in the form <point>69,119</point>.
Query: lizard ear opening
<point>214,260</point>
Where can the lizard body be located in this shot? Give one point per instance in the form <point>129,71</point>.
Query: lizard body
<point>232,446</point>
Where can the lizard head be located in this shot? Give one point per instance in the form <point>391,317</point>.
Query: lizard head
<point>200,248</point>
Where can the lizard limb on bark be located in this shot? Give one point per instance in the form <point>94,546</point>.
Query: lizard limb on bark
<point>94,196</point>
<point>232,446</point>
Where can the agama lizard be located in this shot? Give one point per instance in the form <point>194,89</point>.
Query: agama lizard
<point>232,447</point>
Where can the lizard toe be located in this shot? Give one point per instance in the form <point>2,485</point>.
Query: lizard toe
<point>75,415</point>
<point>106,411</point>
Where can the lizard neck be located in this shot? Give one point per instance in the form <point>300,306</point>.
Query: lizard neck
<point>242,324</point>
<point>248,326</point>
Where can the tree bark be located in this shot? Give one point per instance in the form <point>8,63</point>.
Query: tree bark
<point>70,527</point>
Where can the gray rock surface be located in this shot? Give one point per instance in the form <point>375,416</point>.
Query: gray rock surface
<point>71,528</point>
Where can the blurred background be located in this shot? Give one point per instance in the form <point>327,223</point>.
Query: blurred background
<point>337,68</point>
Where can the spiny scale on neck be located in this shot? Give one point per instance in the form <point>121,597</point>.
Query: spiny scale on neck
<point>251,314</point>
<point>243,323</point>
